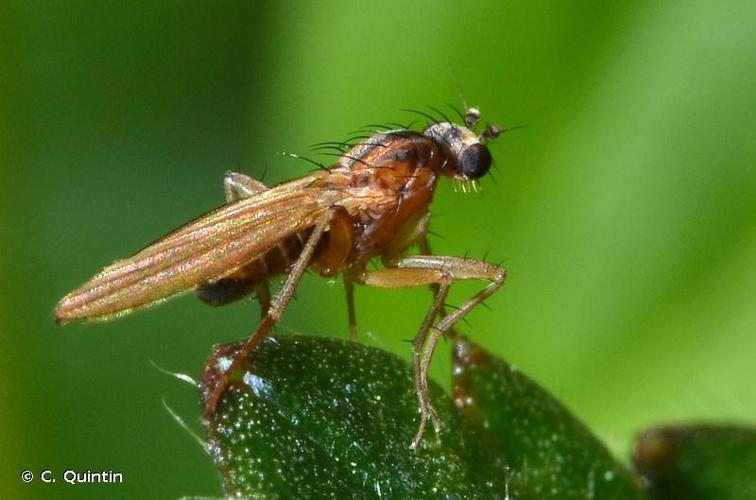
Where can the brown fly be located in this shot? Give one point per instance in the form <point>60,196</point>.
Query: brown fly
<point>372,203</point>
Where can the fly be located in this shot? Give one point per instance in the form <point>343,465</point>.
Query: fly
<point>371,204</point>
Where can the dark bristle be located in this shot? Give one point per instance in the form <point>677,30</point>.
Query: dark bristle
<point>357,138</point>
<point>326,153</point>
<point>353,158</point>
<point>370,143</point>
<point>435,234</point>
<point>423,114</point>
<point>401,126</point>
<point>492,176</point>
<point>331,143</point>
<point>516,127</point>
<point>358,160</point>
<point>379,126</point>
<point>457,110</point>
<point>443,139</point>
<point>446,118</point>
<point>310,160</point>
<point>344,146</point>
<point>320,149</point>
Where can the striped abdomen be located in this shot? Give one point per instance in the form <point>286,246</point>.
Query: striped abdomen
<point>244,280</point>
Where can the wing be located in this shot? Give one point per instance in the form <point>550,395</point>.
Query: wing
<point>208,248</point>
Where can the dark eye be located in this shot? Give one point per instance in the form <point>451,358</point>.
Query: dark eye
<point>474,161</point>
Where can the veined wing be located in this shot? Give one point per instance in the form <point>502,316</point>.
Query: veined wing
<point>212,246</point>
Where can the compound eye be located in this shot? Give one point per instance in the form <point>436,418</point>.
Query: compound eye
<point>474,161</point>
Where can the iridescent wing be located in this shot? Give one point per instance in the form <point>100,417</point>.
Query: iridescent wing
<point>208,248</point>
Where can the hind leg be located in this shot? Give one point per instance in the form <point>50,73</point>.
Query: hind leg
<point>237,186</point>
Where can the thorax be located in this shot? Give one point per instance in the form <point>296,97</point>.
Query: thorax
<point>388,183</point>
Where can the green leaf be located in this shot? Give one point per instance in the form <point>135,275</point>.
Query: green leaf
<point>550,453</point>
<point>698,462</point>
<point>317,416</point>
<point>313,417</point>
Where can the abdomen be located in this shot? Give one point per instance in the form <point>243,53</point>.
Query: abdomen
<point>243,281</point>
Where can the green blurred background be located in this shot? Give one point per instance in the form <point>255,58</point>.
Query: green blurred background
<point>625,211</point>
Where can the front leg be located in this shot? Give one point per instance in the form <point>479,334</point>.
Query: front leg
<point>441,272</point>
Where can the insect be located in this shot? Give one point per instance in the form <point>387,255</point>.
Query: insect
<point>372,204</point>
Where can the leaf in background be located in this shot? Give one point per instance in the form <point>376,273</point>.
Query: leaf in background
<point>551,453</point>
<point>698,462</point>
<point>316,417</point>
